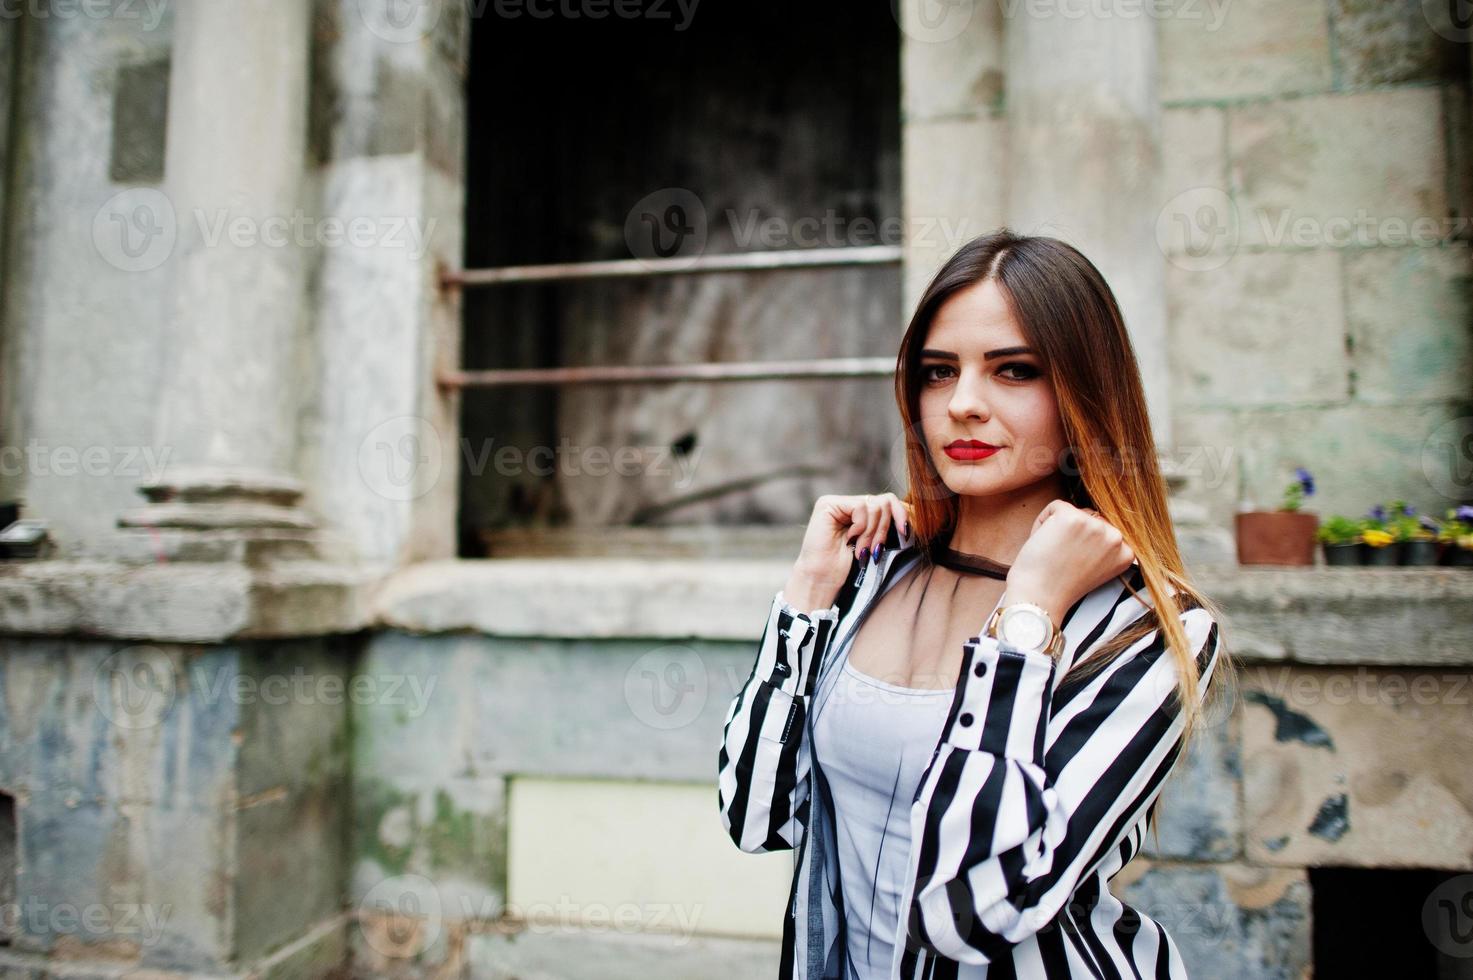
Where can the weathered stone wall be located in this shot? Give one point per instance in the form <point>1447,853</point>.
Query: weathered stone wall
<point>1313,208</point>
<point>1317,153</point>
<point>85,294</point>
<point>164,792</point>
<point>94,237</point>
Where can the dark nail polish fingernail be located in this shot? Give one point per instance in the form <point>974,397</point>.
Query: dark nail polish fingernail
<point>863,553</point>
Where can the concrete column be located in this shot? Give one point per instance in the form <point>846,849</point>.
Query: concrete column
<point>237,130</point>
<point>1084,148</point>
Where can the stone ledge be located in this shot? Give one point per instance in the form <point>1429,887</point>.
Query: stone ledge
<point>595,598</point>
<point>1394,616</point>
<point>185,602</point>
<point>1307,615</point>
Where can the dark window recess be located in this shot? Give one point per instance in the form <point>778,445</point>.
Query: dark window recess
<point>1412,924</point>
<point>9,858</point>
<point>140,123</point>
<point>755,127</point>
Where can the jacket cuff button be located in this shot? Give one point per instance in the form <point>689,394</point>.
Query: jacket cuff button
<point>965,719</point>
<point>980,669</point>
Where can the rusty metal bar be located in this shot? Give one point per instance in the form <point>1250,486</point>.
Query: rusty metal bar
<point>802,258</point>
<point>837,367</point>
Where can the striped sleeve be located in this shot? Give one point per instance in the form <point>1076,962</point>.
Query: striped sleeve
<point>1002,830</point>
<point>762,770</point>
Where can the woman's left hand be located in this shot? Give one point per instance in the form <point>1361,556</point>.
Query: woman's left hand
<point>1070,551</point>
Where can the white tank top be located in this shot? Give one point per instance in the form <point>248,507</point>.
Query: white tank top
<point>873,740</point>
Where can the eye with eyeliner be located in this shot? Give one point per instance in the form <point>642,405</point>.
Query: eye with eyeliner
<point>1028,371</point>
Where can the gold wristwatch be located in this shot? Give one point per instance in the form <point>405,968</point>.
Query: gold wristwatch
<point>1027,627</point>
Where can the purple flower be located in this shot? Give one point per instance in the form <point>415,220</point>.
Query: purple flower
<point>1429,524</point>
<point>1464,512</point>
<point>1378,513</point>
<point>1305,480</point>
<point>1408,510</point>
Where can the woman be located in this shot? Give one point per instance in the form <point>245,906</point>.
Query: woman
<point>961,777</point>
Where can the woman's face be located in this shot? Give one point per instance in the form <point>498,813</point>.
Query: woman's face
<point>980,382</point>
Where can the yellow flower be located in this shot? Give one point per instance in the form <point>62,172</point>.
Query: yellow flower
<point>1376,539</point>
<point>1466,541</point>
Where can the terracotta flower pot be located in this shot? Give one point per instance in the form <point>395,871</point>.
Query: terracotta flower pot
<point>1275,537</point>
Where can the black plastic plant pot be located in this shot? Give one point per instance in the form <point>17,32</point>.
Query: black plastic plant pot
<point>1458,555</point>
<point>1347,553</point>
<point>1387,554</point>
<point>1419,552</point>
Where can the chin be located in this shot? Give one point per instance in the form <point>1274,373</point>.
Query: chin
<point>969,484</point>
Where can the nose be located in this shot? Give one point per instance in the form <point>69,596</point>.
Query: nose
<point>966,401</point>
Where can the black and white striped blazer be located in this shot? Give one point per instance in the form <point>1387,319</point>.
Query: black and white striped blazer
<point>1036,794</point>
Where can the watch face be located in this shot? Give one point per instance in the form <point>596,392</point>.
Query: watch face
<point>1024,628</point>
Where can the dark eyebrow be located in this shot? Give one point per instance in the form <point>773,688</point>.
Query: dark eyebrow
<point>946,355</point>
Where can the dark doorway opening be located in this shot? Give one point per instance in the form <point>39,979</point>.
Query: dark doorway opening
<point>1408,924</point>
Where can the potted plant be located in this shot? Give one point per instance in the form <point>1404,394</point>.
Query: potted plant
<point>1340,538</point>
<point>1279,537</point>
<point>1416,536</point>
<point>1456,536</point>
<point>1377,539</point>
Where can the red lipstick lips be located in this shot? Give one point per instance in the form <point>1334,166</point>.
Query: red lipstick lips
<point>970,449</point>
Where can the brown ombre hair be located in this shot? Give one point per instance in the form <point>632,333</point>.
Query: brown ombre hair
<point>1068,314</point>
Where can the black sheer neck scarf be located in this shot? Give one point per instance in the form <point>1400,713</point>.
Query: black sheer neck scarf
<point>917,602</point>
<point>941,553</point>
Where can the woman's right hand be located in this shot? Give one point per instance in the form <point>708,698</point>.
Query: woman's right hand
<point>841,529</point>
